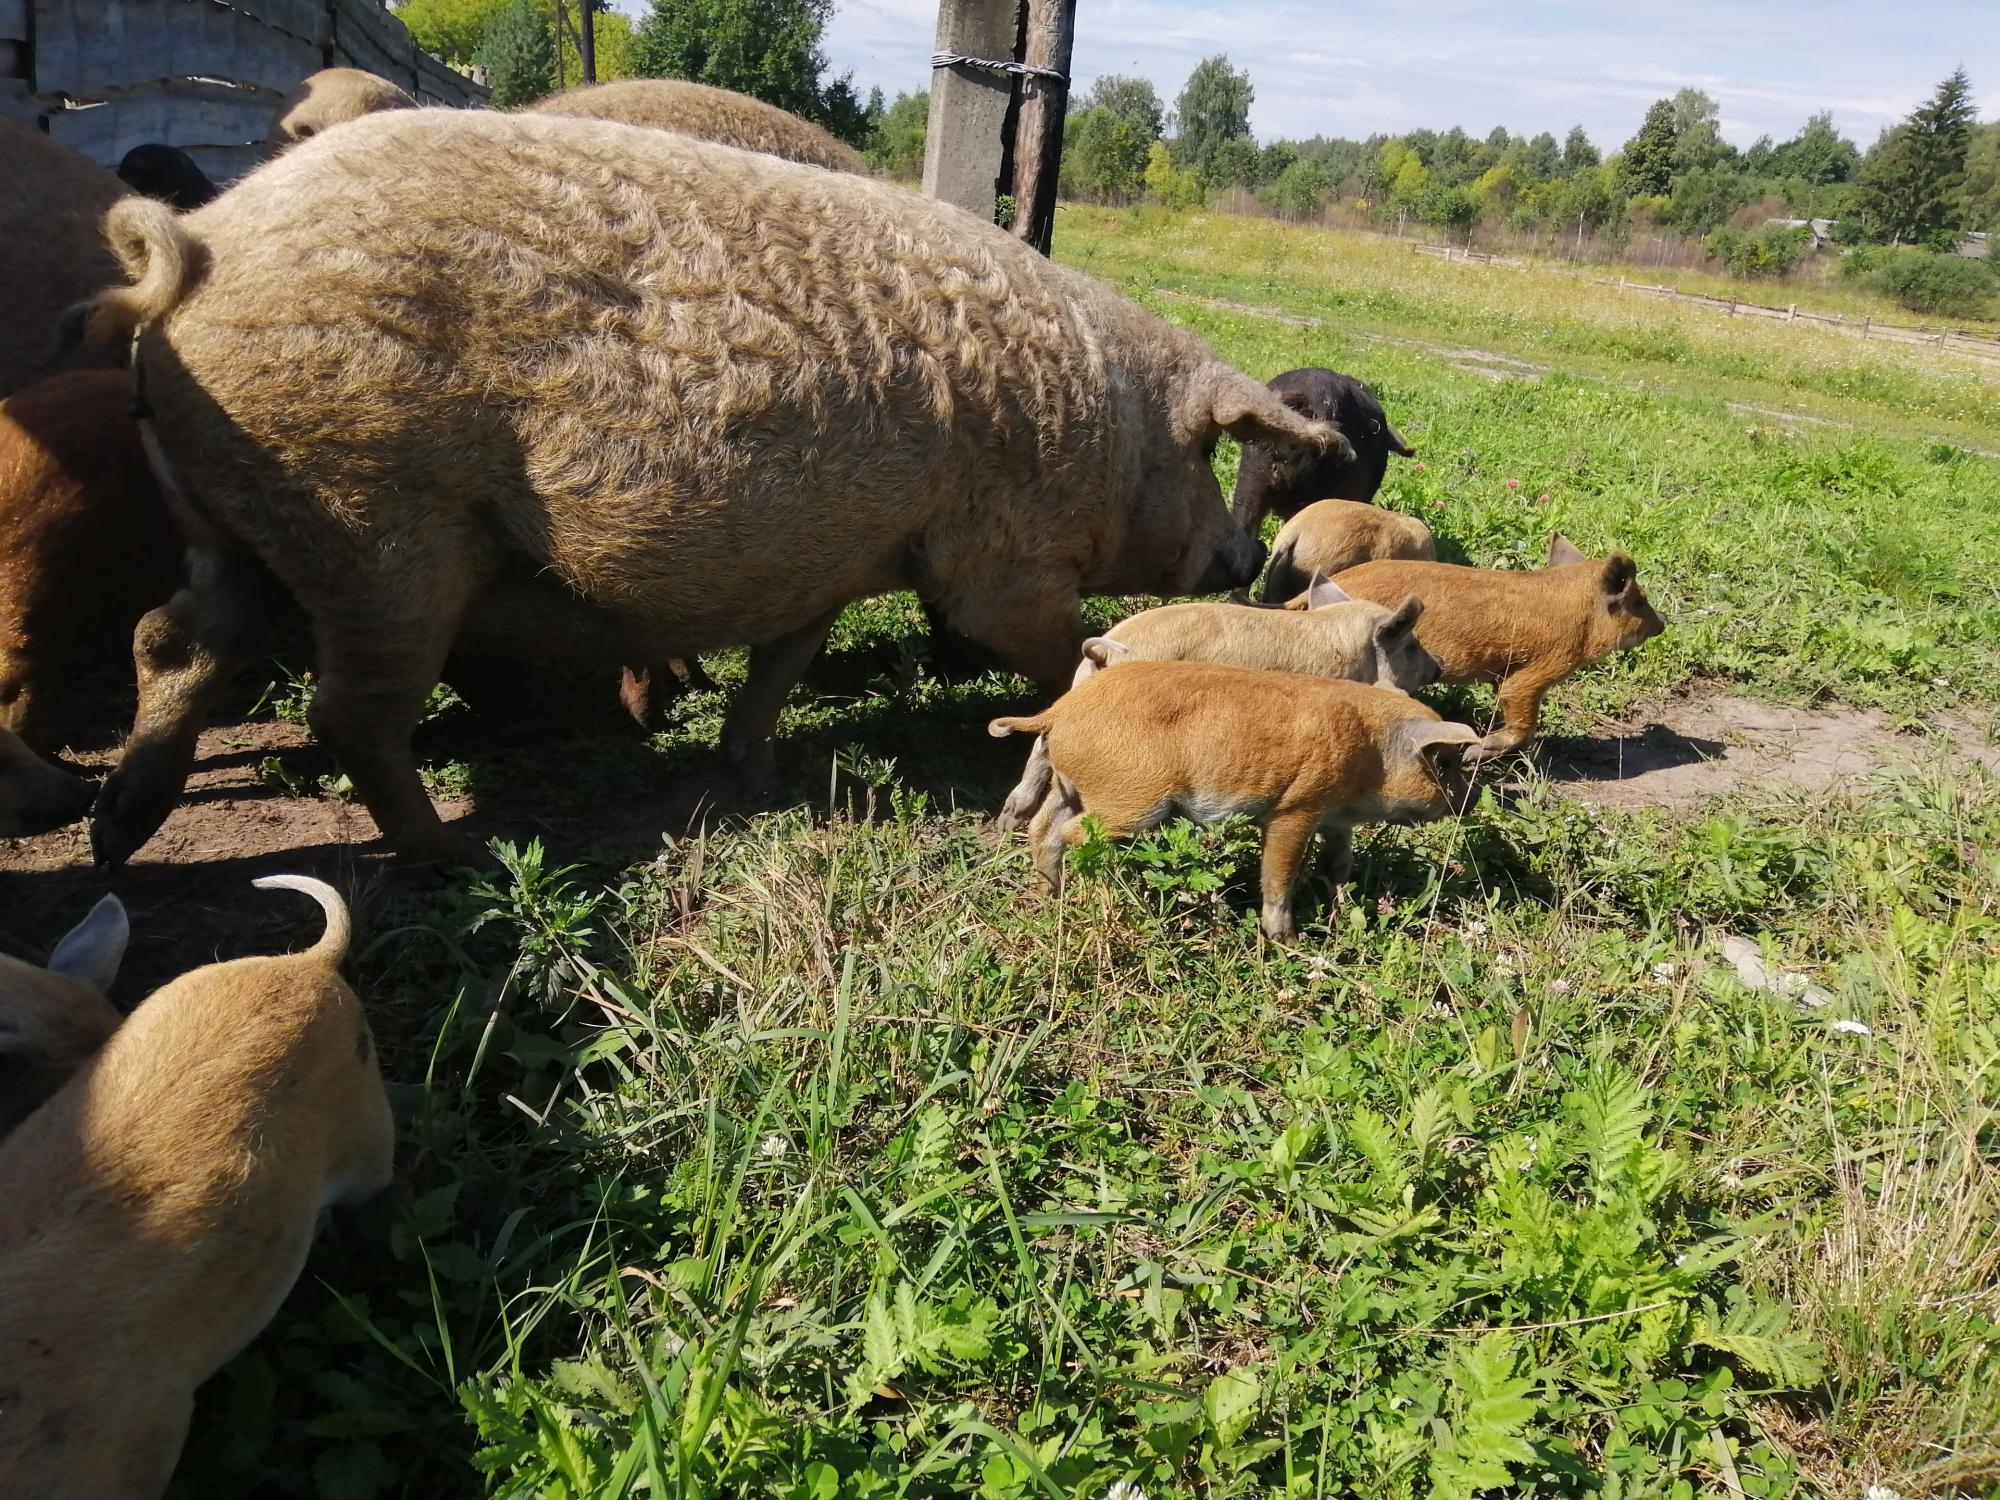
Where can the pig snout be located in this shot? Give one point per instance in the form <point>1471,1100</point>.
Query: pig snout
<point>1235,565</point>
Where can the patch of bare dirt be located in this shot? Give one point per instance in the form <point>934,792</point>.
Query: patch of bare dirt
<point>1685,750</point>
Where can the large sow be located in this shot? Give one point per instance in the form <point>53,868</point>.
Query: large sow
<point>537,382</point>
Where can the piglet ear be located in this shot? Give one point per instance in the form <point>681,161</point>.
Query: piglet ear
<point>1562,551</point>
<point>1405,618</point>
<point>1620,573</point>
<point>1323,592</point>
<point>91,951</point>
<point>1429,738</point>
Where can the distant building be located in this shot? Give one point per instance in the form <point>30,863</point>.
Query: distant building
<point>1820,230</point>
<point>1978,243</point>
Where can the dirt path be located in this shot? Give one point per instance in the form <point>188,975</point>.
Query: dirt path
<point>189,889</point>
<point>1710,742</point>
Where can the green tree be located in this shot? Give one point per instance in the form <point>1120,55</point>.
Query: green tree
<point>1299,191</point>
<point>1276,159</point>
<point>1698,142</point>
<point>1177,187</point>
<point>518,52</point>
<point>1704,199</point>
<point>897,146</point>
<point>1133,98</point>
<point>1911,184</point>
<point>1578,154</point>
<point>1105,156</point>
<point>1818,154</point>
<point>1543,158</point>
<point>450,29</point>
<point>1649,155</point>
<point>1213,107</point>
<point>768,48</point>
<point>1980,200</point>
<point>1233,162</point>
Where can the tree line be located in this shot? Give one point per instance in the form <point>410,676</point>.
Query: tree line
<point>768,48</point>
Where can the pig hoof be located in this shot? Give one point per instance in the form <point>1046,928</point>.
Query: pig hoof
<point>122,819</point>
<point>441,846</point>
<point>1280,928</point>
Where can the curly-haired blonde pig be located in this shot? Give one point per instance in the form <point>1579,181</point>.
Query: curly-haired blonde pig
<point>524,378</point>
<point>708,114</point>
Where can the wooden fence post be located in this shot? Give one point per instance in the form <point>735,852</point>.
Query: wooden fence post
<point>965,145</point>
<point>1792,313</point>
<point>1864,324</point>
<point>586,38</point>
<point>1038,127</point>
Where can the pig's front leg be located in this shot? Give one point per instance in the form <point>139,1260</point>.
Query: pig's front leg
<point>752,721</point>
<point>185,652</point>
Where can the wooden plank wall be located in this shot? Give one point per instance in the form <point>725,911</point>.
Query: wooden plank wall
<point>106,75</point>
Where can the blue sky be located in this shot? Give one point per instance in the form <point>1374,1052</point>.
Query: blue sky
<point>1360,67</point>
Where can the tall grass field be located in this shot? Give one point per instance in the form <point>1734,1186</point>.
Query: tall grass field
<point>819,1155</point>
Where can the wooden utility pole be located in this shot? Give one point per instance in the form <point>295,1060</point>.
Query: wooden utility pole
<point>586,38</point>
<point>1038,129</point>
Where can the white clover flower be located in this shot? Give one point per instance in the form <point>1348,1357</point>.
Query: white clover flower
<point>1664,971</point>
<point>773,1145</point>
<point>1124,1489</point>
<point>1853,1028</point>
<point>1475,928</point>
<point>1559,987</point>
<point>1881,1492</point>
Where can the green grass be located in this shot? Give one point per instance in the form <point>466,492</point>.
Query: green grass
<point>821,1156</point>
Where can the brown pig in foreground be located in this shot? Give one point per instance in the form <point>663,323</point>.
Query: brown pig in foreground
<point>161,1205</point>
<point>1331,536</point>
<point>1135,746</point>
<point>86,544</point>
<point>1334,636</point>
<point>642,394</point>
<point>1525,630</point>
<point>34,795</point>
<point>52,1019</point>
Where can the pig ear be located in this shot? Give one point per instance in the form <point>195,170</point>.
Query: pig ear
<point>1252,413</point>
<point>1323,592</point>
<point>1404,619</point>
<point>1428,738</point>
<point>90,951</point>
<point>1397,442</point>
<point>1620,573</point>
<point>1562,550</point>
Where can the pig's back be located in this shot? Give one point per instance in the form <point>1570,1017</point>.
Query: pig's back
<point>609,333</point>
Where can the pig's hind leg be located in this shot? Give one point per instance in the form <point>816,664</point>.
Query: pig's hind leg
<point>752,721</point>
<point>1057,825</point>
<point>377,668</point>
<point>1021,803</point>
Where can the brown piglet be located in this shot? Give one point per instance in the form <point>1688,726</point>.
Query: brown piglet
<point>1134,746</point>
<point>86,542</point>
<point>53,1019</point>
<point>1525,630</point>
<point>1331,536</point>
<point>161,1205</point>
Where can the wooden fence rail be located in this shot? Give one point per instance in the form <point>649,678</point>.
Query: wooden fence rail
<point>106,75</point>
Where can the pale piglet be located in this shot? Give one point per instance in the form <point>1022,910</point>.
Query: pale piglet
<point>1330,536</point>
<point>1334,636</point>
<point>1525,630</point>
<point>53,1019</point>
<point>160,1206</point>
<point>1297,754</point>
